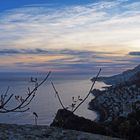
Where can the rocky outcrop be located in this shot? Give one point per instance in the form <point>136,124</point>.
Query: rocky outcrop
<point>66,119</point>
<point>30,132</point>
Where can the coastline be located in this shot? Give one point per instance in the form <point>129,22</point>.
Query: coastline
<point>101,112</point>
<point>115,101</point>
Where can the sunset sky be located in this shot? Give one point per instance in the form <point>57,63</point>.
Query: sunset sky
<point>69,35</point>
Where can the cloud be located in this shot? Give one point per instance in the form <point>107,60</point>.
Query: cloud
<point>39,51</point>
<point>96,24</point>
<point>22,51</point>
<point>72,60</point>
<point>89,36</point>
<point>84,67</point>
<point>133,6</point>
<point>9,51</point>
<point>134,53</point>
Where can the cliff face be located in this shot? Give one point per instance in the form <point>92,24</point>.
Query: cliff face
<point>30,132</point>
<point>116,101</point>
<point>120,78</point>
<point>119,105</point>
<point>120,99</point>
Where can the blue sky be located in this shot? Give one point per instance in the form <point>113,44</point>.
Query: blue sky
<point>69,35</point>
<point>10,4</point>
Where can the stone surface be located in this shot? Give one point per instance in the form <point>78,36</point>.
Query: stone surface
<point>30,132</point>
<point>68,120</point>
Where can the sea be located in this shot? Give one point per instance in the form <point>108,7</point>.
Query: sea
<point>45,103</point>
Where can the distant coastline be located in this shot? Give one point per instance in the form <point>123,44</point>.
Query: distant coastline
<point>119,99</point>
<point>119,78</point>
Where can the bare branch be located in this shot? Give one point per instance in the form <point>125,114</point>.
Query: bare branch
<point>28,102</point>
<point>88,92</point>
<point>30,96</point>
<point>57,94</point>
<point>6,93</point>
<point>6,111</point>
<point>3,104</point>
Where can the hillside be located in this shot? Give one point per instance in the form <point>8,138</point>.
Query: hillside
<point>120,78</point>
<point>118,106</point>
<point>121,98</point>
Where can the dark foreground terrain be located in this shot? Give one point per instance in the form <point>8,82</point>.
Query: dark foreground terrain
<point>30,132</point>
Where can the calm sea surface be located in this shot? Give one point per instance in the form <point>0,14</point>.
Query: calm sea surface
<point>45,103</point>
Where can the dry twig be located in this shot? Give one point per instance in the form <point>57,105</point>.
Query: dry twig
<point>23,102</point>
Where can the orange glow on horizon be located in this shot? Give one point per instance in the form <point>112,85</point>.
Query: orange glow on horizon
<point>30,59</point>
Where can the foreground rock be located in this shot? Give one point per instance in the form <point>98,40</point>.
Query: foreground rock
<point>30,132</point>
<point>66,119</point>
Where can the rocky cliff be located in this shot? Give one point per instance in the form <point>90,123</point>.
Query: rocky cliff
<point>118,106</point>
<point>120,99</point>
<point>120,78</point>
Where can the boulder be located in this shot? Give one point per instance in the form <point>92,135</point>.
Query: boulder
<point>68,120</point>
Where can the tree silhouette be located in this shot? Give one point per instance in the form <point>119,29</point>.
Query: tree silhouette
<point>23,102</point>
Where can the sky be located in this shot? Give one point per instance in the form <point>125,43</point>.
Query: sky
<point>78,36</point>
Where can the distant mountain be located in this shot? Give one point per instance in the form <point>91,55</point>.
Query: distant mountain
<point>126,76</point>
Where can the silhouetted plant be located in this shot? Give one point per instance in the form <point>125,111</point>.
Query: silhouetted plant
<point>92,86</point>
<point>57,95</point>
<point>74,100</point>
<point>35,117</point>
<point>23,102</point>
